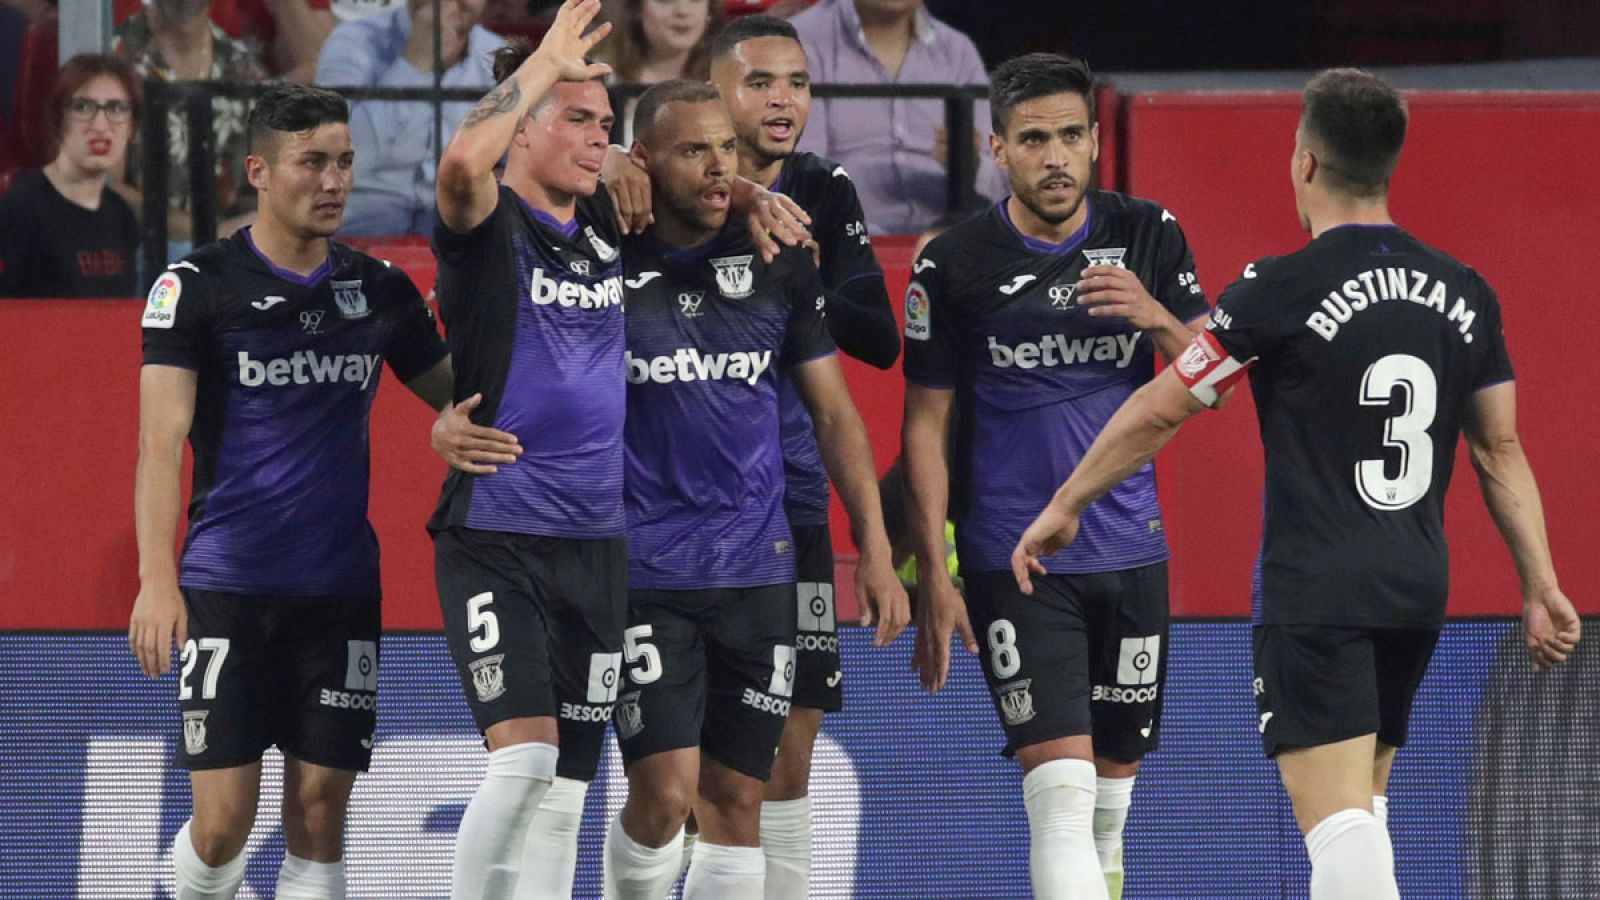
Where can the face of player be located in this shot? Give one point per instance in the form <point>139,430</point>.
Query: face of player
<point>693,156</point>
<point>1048,151</point>
<point>306,181</point>
<point>766,86</point>
<point>1297,173</point>
<point>567,138</point>
<point>674,26</point>
<point>96,125</point>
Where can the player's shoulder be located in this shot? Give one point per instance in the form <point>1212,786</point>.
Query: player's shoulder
<point>811,169</point>
<point>385,279</point>
<point>1130,215</point>
<point>968,240</point>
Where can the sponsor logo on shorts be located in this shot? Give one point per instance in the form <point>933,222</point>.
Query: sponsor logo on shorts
<point>488,679</point>
<point>630,720</point>
<point>1265,718</point>
<point>765,702</point>
<point>734,278</point>
<point>782,681</point>
<point>835,678</point>
<point>347,700</point>
<point>361,672</point>
<point>605,670</point>
<point>578,712</point>
<point>1137,663</point>
<point>1016,702</point>
<point>816,607</point>
<point>817,643</point>
<point>351,301</point>
<point>194,731</point>
<point>1108,694</point>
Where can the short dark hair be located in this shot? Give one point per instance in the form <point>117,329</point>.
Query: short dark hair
<point>510,58</point>
<point>1356,123</point>
<point>748,28</point>
<point>1035,75</point>
<point>82,69</point>
<point>678,90</point>
<point>290,109</point>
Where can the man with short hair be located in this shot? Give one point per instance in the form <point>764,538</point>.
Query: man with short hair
<point>1369,353</point>
<point>711,641</point>
<point>264,349</point>
<point>1033,321</point>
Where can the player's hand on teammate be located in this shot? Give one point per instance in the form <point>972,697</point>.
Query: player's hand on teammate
<point>1048,533</point>
<point>774,218</point>
<point>629,186</point>
<point>565,46</point>
<point>1550,626</point>
<point>1115,291</point>
<point>159,621</point>
<point>883,600</point>
<point>941,612</point>
<point>472,448</point>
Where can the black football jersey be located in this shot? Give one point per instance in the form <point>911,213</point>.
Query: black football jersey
<point>1367,345</point>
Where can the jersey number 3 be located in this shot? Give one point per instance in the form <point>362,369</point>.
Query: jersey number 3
<point>1406,432</point>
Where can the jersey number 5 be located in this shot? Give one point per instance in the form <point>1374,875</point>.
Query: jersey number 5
<point>1406,432</point>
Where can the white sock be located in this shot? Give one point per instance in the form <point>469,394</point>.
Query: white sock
<point>1059,796</point>
<point>495,826</point>
<point>720,872</point>
<point>550,854</point>
<point>636,872</point>
<point>690,838</point>
<point>1112,797</point>
<point>786,843</point>
<point>1351,859</point>
<point>1380,810</point>
<point>302,879</point>
<point>198,881</point>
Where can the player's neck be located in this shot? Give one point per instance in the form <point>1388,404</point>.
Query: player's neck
<point>1034,227</point>
<point>680,232</point>
<point>557,204</point>
<point>759,168</point>
<point>287,250</point>
<point>82,187</point>
<point>1332,213</point>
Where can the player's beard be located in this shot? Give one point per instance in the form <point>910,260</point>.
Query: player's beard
<point>751,139</point>
<point>686,209</point>
<point>1055,216</point>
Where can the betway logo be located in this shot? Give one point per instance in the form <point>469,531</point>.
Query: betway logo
<point>599,295</point>
<point>306,367</point>
<point>1059,350</point>
<point>689,364</point>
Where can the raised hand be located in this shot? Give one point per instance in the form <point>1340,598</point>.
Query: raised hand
<point>566,45</point>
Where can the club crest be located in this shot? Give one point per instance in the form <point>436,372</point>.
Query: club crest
<point>351,301</point>
<point>734,279</point>
<point>488,678</point>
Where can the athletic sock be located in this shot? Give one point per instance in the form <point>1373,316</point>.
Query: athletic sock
<point>198,881</point>
<point>719,872</point>
<point>786,843</point>
<point>1351,858</point>
<point>636,872</point>
<point>1380,810</point>
<point>302,879</point>
<point>550,853</point>
<point>1059,796</point>
<point>494,828</point>
<point>690,838</point>
<point>1112,797</point>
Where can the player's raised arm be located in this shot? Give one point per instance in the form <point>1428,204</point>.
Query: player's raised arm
<point>1550,623</point>
<point>941,610</point>
<point>466,188</point>
<point>166,410</point>
<point>847,454</point>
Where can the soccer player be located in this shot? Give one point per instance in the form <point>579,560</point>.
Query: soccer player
<point>264,349</point>
<point>531,559</point>
<point>711,639</point>
<point>1368,353</point>
<point>1035,321</point>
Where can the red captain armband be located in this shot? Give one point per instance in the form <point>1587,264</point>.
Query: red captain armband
<point>1207,370</point>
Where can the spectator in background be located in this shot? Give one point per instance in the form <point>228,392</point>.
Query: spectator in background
<point>895,150</point>
<point>395,157</point>
<point>175,40</point>
<point>658,40</point>
<point>63,231</point>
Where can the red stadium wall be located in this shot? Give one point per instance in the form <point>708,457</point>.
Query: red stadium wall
<point>1490,178</point>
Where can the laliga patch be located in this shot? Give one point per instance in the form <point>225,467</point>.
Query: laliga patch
<point>161,306</point>
<point>919,316</point>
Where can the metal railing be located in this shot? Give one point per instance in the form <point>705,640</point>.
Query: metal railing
<point>195,97</point>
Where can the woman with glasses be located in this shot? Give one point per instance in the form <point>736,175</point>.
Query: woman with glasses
<point>63,231</point>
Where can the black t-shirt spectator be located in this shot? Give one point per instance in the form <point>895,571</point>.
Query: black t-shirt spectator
<point>52,247</point>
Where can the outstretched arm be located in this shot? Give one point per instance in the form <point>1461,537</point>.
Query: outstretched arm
<point>1551,625</point>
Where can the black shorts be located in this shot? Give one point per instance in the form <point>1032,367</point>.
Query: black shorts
<point>1319,684</point>
<point>1083,655</point>
<point>534,625</point>
<point>712,669</point>
<point>818,678</point>
<point>298,672</point>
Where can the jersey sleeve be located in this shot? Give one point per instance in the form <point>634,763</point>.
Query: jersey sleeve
<point>930,354</point>
<point>177,318</point>
<point>458,245</point>
<point>806,337</point>
<point>1496,366</point>
<point>859,313</point>
<point>415,346</point>
<point>1242,327</point>
<point>1177,285</point>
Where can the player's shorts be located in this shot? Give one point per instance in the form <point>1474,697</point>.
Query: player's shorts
<point>818,677</point>
<point>535,625</point>
<point>298,672</point>
<point>712,669</point>
<point>1084,655</point>
<point>1319,684</point>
